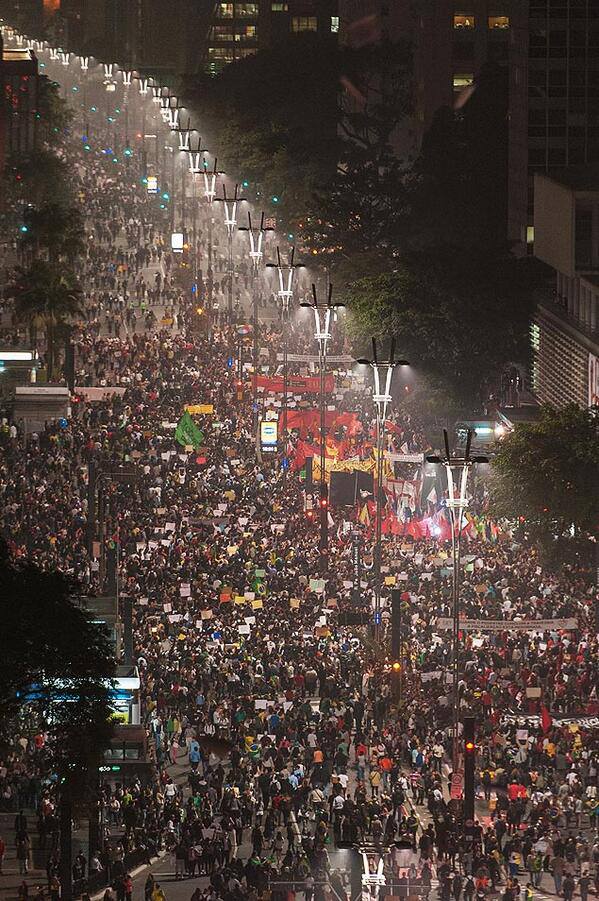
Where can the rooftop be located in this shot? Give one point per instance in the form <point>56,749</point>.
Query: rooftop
<point>578,178</point>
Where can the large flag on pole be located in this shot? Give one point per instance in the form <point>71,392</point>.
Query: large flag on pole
<point>187,432</point>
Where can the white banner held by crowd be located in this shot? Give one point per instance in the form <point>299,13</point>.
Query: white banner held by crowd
<point>508,625</point>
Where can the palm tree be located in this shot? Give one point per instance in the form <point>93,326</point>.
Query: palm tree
<point>55,228</point>
<point>48,296</point>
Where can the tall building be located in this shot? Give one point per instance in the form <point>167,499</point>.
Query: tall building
<point>239,29</point>
<point>18,101</point>
<point>181,37</point>
<point>554,98</point>
<point>451,42</point>
<point>565,334</point>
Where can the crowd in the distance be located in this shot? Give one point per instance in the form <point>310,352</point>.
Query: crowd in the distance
<point>275,727</point>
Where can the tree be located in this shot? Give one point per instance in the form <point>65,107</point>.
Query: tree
<point>55,672</point>
<point>547,473</point>
<point>53,113</point>
<point>47,295</point>
<point>457,317</point>
<point>273,117</point>
<point>54,228</point>
<point>458,184</point>
<point>48,641</point>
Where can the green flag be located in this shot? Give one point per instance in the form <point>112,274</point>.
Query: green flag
<point>187,432</point>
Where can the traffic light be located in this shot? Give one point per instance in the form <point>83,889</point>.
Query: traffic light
<point>469,767</point>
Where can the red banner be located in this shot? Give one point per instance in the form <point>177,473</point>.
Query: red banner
<point>296,384</point>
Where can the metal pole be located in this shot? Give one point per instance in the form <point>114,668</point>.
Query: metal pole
<point>285,379</point>
<point>255,348</point>
<point>102,525</point>
<point>324,524</point>
<point>380,427</point>
<point>455,644</point>
<point>230,286</point>
<point>183,175</point>
<point>91,505</point>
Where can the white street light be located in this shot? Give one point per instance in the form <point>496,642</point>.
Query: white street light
<point>457,470</point>
<point>382,372</point>
<point>323,318</point>
<point>286,275</point>
<point>256,237</point>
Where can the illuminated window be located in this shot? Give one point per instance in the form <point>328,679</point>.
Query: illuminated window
<point>334,24</point>
<point>224,10</point>
<point>530,234</point>
<point>246,10</point>
<point>246,33</point>
<point>222,33</point>
<point>463,20</point>
<point>304,23</point>
<point>464,80</point>
<point>280,7</point>
<point>499,21</point>
<point>221,54</point>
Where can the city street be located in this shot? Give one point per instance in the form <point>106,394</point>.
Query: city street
<point>276,613</point>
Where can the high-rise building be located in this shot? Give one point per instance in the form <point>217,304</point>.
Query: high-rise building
<point>554,98</point>
<point>565,334</point>
<point>240,29</point>
<point>18,101</point>
<point>181,37</point>
<point>451,42</point>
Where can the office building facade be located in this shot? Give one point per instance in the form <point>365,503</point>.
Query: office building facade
<point>565,333</point>
<point>554,98</point>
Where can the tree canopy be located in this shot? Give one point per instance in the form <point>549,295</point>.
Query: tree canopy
<point>547,473</point>
<point>54,664</point>
<point>47,295</point>
<point>54,228</point>
<point>279,124</point>
<point>458,317</point>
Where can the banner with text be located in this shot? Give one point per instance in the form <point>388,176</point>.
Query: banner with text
<point>502,625</point>
<point>296,384</point>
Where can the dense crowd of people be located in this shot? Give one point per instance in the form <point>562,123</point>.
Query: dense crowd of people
<point>276,728</point>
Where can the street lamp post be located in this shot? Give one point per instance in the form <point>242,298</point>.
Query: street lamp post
<point>256,235</point>
<point>286,275</point>
<point>210,184</point>
<point>382,372</point>
<point>457,470</point>
<point>230,210</point>
<point>323,320</point>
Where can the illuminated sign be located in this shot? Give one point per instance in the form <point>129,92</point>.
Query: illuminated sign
<point>269,433</point>
<point>152,184</point>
